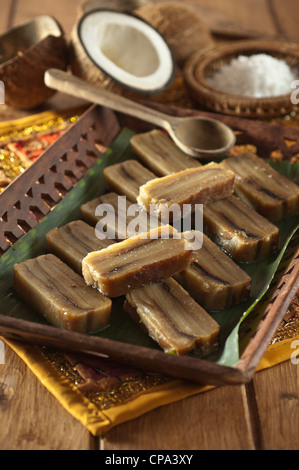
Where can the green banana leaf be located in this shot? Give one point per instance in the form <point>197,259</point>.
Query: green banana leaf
<point>122,328</point>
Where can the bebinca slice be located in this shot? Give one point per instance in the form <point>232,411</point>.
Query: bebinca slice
<point>137,261</point>
<point>116,216</point>
<point>271,194</point>
<point>160,154</point>
<point>172,318</point>
<point>60,295</point>
<point>73,241</point>
<point>239,230</point>
<point>201,185</point>
<point>213,279</point>
<point>126,178</point>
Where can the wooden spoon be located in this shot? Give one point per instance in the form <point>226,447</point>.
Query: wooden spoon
<point>199,137</point>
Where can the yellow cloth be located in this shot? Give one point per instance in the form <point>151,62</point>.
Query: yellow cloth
<point>99,422</point>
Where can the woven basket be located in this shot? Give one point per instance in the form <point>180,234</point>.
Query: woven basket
<point>204,64</point>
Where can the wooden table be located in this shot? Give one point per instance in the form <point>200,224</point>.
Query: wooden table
<point>261,415</point>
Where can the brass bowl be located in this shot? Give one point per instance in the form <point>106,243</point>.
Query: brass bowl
<point>203,65</point>
<point>26,52</point>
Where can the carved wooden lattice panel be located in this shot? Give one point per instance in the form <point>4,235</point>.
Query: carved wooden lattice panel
<point>32,196</point>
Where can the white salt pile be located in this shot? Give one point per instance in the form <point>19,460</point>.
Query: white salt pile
<point>256,76</point>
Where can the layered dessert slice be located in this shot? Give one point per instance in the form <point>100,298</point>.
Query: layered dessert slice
<point>126,178</point>
<point>116,216</point>
<point>272,195</point>
<point>172,318</point>
<point>201,185</point>
<point>239,230</point>
<point>72,242</point>
<point>137,261</point>
<point>213,279</point>
<point>236,227</point>
<point>247,238</point>
<point>160,154</point>
<point>60,295</point>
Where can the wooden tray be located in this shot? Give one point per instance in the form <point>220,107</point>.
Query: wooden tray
<point>32,196</point>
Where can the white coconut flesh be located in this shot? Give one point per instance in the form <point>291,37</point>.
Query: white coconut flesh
<point>127,49</point>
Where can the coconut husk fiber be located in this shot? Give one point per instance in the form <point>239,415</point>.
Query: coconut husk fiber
<point>23,75</point>
<point>184,32</point>
<point>180,25</point>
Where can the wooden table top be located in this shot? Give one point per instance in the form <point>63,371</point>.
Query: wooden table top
<point>263,414</point>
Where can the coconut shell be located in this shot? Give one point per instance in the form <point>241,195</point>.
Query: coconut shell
<point>182,28</point>
<point>23,75</point>
<point>82,66</point>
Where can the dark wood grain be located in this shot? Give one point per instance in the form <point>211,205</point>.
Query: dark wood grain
<point>285,16</point>
<point>278,406</point>
<point>31,418</point>
<point>7,9</point>
<point>212,424</point>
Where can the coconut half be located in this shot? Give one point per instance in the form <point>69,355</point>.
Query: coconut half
<point>128,50</point>
<point>180,25</point>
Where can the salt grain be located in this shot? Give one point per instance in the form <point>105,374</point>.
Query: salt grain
<point>256,76</point>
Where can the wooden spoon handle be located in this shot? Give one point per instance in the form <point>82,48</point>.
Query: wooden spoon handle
<point>71,85</point>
